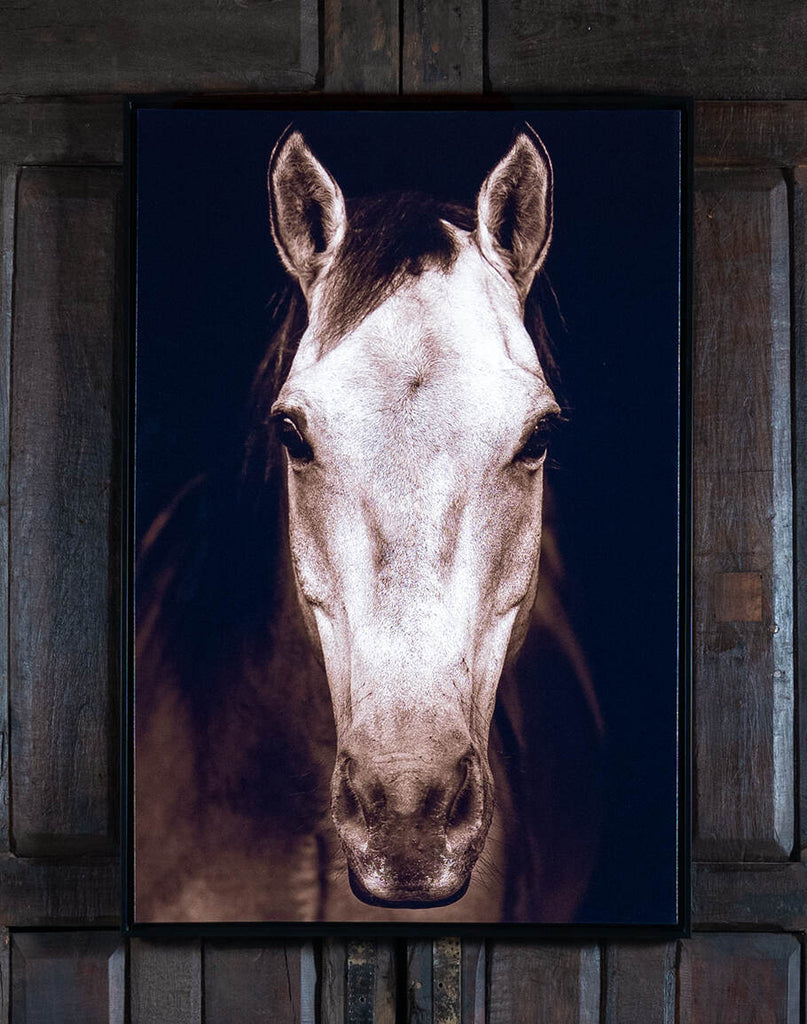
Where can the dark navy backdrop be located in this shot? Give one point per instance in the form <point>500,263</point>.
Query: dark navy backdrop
<point>206,273</point>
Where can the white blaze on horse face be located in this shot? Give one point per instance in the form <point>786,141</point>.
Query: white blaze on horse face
<point>415,533</point>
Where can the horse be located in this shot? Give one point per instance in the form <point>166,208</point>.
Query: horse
<point>356,696</point>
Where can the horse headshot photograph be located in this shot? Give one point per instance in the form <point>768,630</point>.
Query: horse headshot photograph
<point>406,537</point>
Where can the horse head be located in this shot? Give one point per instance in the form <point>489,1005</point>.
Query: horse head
<point>415,418</point>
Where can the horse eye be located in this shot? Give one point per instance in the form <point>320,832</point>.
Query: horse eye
<point>536,445</point>
<point>289,435</point>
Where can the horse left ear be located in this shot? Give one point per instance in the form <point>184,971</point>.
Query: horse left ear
<point>514,211</point>
<point>306,210</point>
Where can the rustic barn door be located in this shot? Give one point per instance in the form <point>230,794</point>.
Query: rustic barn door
<point>62,75</point>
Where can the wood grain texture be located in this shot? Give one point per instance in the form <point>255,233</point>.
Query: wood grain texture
<point>762,896</point>
<point>529,983</point>
<point>386,983</point>
<point>743,749</point>
<point>69,977</point>
<point>799,236</point>
<point>442,46</point>
<point>735,979</point>
<point>165,982</point>
<point>8,188</point>
<point>640,983</point>
<point>419,966</point>
<point>740,51</point>
<point>64,512</point>
<point>253,983</point>
<point>360,982</point>
<point>43,131</point>
<point>361,46</point>
<point>447,981</point>
<point>760,134</point>
<point>66,48</point>
<point>5,975</point>
<point>332,995</point>
<point>474,972</point>
<point>50,892</point>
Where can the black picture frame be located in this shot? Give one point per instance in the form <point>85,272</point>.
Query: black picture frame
<point>623,312</point>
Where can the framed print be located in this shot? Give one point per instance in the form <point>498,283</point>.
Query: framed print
<point>407,635</point>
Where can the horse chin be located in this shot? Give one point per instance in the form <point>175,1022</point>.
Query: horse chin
<point>404,899</point>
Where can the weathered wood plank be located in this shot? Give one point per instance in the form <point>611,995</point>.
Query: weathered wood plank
<point>45,893</point>
<point>385,983</point>
<point>741,50</point>
<point>5,975</point>
<point>474,964</point>
<point>309,983</point>
<point>763,896</point>
<point>63,512</point>
<point>61,49</point>
<point>530,983</point>
<point>361,46</point>
<point>43,131</point>
<point>640,983</point>
<point>332,998</point>
<point>447,981</point>
<point>419,967</point>
<point>360,982</point>
<point>253,983</point>
<point>739,978</point>
<point>70,977</point>
<point>442,46</point>
<point>8,188</point>
<point>370,990</point>
<point>743,750</point>
<point>799,278</point>
<point>165,981</point>
<point>760,134</point>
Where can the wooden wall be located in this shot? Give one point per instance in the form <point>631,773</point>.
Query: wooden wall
<point>63,70</point>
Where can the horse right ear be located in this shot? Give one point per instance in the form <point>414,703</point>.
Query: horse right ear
<point>514,211</point>
<point>306,210</point>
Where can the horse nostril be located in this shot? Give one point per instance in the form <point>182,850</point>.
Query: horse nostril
<point>348,802</point>
<point>464,807</point>
<point>357,801</point>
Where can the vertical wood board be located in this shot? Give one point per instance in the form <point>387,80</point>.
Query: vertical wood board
<point>640,983</point>
<point>442,46</point>
<point>743,731</point>
<point>361,46</point>
<point>529,983</point>
<point>5,975</point>
<point>8,188</point>
<point>800,467</point>
<point>447,980</point>
<point>474,972</point>
<point>332,996</point>
<point>253,983</point>
<point>165,982</point>
<point>64,512</point>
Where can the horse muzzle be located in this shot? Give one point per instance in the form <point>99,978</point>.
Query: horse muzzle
<point>412,827</point>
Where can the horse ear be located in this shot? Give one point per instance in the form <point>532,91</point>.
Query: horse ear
<point>306,210</point>
<point>514,210</point>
